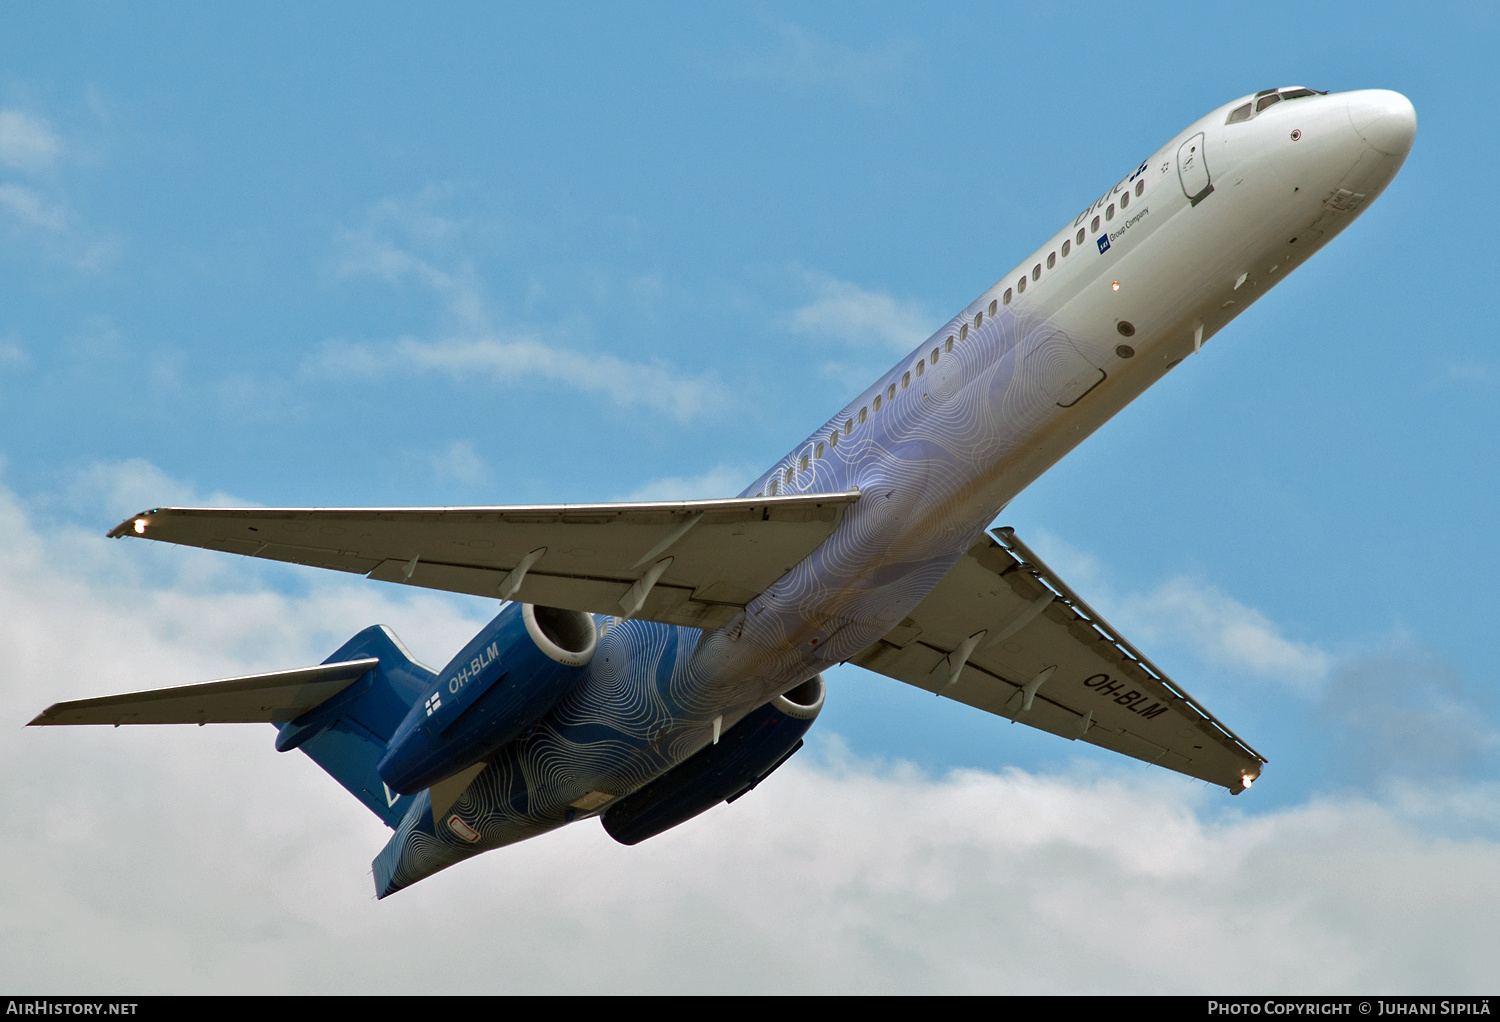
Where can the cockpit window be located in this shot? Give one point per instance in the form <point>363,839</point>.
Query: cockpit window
<point>1265,98</point>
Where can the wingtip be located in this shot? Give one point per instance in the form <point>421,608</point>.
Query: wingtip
<point>135,525</point>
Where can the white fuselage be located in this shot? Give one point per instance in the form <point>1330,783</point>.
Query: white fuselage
<point>1135,284</point>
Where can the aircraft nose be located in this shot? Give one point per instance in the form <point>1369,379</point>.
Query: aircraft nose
<point>1385,120</point>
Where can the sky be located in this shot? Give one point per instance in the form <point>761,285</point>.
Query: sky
<point>377,254</point>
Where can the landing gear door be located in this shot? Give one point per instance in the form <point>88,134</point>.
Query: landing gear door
<point>1192,170</point>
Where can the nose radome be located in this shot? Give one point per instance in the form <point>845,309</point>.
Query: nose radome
<point>1385,120</point>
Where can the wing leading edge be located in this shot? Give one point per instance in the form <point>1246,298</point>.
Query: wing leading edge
<point>1003,633</point>
<point>694,563</point>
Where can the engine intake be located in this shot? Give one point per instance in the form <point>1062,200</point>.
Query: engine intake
<point>566,636</point>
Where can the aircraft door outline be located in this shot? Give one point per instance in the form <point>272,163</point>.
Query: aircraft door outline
<point>1192,170</point>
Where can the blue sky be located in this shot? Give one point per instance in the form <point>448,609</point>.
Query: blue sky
<point>372,254</point>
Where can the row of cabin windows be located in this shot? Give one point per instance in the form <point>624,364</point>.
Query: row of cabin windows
<point>1068,243</point>
<point>873,407</point>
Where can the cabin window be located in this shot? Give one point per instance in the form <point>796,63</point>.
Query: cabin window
<point>876,402</point>
<point>818,450</point>
<point>1051,260</point>
<point>947,346</point>
<point>890,392</point>
<point>1125,199</point>
<point>1021,285</point>
<point>905,380</point>
<point>933,359</point>
<point>1036,272</point>
<point>1005,298</point>
<point>849,426</point>
<point>833,438</point>
<point>802,465</point>
<point>865,414</point>
<point>775,485</point>
<point>921,366</point>
<point>993,306</point>
<point>1080,233</point>
<point>1240,113</point>
<point>1094,227</point>
<point>789,476</point>
<point>1109,211</point>
<point>1140,188</point>
<point>963,331</point>
<point>978,318</point>
<point>1067,247</point>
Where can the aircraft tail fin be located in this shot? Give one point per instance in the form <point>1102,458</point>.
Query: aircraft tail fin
<point>347,735</point>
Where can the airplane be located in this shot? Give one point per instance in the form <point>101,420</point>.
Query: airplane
<point>651,660</point>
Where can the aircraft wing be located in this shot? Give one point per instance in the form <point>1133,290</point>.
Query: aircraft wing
<point>691,563</point>
<point>1003,633</point>
<point>259,698</point>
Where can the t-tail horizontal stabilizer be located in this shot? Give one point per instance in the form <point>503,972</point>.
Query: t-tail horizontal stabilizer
<point>341,713</point>
<point>273,698</point>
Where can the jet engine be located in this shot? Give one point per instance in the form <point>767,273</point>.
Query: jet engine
<point>499,685</point>
<point>744,756</point>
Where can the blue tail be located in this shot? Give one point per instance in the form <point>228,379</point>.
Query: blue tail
<point>347,735</point>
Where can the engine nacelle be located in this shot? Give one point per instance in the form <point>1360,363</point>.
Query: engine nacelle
<point>744,756</point>
<point>501,683</point>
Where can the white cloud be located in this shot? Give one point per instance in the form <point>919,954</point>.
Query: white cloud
<point>460,463</point>
<point>29,144</point>
<point>1379,719</point>
<point>199,860</point>
<point>472,345</point>
<point>506,359</point>
<point>370,253</point>
<point>1468,373</point>
<point>123,488</point>
<point>867,319</point>
<point>26,142</point>
<point>28,207</point>
<point>1224,631</point>
<point>1194,615</point>
<point>802,59</point>
<point>51,225</point>
<point>719,481</point>
<point>1404,712</point>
